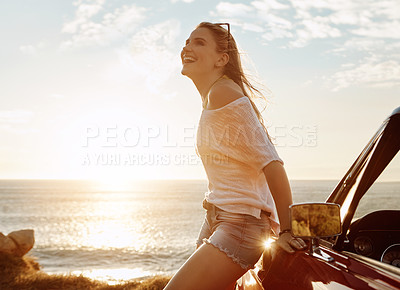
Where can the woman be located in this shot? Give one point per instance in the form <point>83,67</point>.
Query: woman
<point>246,179</point>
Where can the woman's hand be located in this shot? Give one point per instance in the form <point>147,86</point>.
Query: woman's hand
<point>289,243</point>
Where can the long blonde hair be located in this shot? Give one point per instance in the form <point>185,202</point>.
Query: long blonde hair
<point>233,69</point>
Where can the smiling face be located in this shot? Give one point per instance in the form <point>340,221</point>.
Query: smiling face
<point>199,55</point>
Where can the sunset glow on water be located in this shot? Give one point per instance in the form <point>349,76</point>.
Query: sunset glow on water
<point>114,232</point>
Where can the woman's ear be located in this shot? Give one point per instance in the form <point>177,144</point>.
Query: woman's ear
<point>222,60</point>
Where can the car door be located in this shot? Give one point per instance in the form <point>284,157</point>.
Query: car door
<point>304,271</point>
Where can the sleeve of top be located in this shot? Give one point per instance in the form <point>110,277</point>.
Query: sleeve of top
<point>248,141</point>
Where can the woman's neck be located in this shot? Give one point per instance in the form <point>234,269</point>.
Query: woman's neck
<point>204,85</point>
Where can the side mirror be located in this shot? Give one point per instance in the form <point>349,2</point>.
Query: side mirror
<point>315,220</point>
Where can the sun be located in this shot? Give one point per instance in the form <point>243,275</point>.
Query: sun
<point>112,182</point>
<point>268,243</point>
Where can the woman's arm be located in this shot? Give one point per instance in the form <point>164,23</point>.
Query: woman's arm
<point>279,186</point>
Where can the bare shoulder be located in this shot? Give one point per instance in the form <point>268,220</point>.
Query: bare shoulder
<point>223,93</point>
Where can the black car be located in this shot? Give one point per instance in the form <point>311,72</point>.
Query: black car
<point>345,251</point>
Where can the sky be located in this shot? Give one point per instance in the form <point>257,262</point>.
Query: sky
<point>92,89</point>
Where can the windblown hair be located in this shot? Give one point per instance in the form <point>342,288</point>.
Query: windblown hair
<point>233,69</point>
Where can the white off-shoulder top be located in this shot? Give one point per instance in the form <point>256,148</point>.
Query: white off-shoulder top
<point>234,149</point>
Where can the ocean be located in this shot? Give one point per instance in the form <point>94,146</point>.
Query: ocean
<point>115,232</point>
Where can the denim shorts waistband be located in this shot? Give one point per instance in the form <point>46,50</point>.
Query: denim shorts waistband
<point>209,206</point>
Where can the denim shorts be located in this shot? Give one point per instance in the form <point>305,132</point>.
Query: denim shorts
<point>240,236</point>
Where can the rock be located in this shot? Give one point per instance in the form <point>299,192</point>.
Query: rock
<point>7,245</point>
<point>17,243</point>
<point>24,239</point>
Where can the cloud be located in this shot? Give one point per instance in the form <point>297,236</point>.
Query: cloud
<point>185,1</point>
<point>377,65</point>
<point>152,57</point>
<point>313,29</point>
<point>83,13</point>
<point>232,10</point>
<point>379,30</point>
<point>28,49</point>
<point>87,30</point>
<point>277,27</point>
<point>371,73</point>
<point>256,17</point>
<point>152,49</point>
<point>252,27</point>
<point>268,5</point>
<point>302,21</point>
<point>365,31</point>
<point>31,49</point>
<point>350,17</point>
<point>362,46</point>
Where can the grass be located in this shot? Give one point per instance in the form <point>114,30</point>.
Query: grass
<point>25,274</point>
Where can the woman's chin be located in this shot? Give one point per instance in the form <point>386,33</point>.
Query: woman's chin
<point>185,72</point>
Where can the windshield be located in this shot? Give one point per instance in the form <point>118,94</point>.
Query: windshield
<point>384,194</point>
